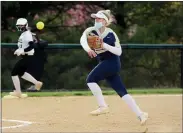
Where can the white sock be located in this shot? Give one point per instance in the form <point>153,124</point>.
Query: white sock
<point>95,89</point>
<point>132,104</point>
<point>16,83</point>
<point>29,78</point>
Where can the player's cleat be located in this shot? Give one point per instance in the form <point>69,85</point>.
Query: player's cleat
<point>15,93</point>
<point>38,85</point>
<point>143,118</point>
<point>18,94</point>
<point>100,110</point>
<point>32,89</point>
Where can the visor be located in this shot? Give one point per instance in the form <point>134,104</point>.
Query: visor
<point>99,15</point>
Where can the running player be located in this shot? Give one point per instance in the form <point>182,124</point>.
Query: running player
<point>24,65</point>
<point>109,65</point>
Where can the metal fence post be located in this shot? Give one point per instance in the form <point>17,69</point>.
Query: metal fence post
<point>181,69</point>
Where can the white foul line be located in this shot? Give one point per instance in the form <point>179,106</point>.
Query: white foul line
<point>22,123</point>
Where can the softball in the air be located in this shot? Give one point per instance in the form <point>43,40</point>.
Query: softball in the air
<point>40,25</point>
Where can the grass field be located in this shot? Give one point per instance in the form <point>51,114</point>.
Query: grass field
<point>105,92</point>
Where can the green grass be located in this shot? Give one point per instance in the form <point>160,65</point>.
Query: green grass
<point>105,92</point>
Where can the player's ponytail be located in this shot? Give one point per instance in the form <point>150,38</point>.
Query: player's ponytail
<point>108,14</point>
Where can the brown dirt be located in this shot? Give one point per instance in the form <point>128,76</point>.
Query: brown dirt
<point>7,124</point>
<point>71,114</point>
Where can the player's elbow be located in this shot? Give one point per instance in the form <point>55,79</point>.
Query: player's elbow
<point>84,44</point>
<point>119,52</point>
<point>82,40</point>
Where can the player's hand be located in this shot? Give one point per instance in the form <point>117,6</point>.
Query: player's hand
<point>19,52</point>
<point>92,54</point>
<point>16,51</point>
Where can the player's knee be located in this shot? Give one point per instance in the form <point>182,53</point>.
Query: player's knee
<point>15,73</point>
<point>90,79</point>
<point>122,93</point>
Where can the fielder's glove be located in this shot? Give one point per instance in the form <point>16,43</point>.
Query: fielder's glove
<point>94,42</point>
<point>19,52</point>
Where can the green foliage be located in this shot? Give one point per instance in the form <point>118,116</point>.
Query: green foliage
<point>157,22</point>
<point>9,36</point>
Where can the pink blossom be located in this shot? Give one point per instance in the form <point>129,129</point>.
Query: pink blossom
<point>36,17</point>
<point>80,14</point>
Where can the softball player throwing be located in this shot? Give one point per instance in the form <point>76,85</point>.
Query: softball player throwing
<point>102,42</point>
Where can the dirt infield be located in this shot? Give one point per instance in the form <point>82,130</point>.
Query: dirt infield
<point>71,114</point>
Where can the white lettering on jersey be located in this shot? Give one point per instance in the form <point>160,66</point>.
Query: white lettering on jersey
<point>20,42</point>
